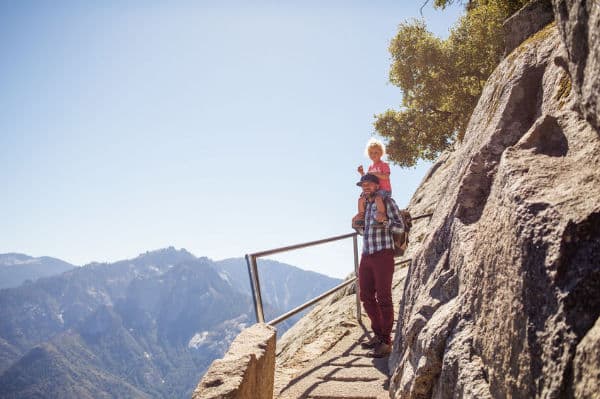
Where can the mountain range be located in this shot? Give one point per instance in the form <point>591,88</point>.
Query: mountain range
<point>142,328</point>
<point>16,269</point>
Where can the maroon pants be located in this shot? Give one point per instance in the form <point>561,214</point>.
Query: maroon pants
<point>375,281</point>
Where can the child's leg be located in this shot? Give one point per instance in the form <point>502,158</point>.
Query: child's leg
<point>358,221</point>
<point>361,206</point>
<point>381,214</point>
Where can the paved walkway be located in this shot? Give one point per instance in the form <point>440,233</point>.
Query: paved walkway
<point>342,372</point>
<point>323,358</point>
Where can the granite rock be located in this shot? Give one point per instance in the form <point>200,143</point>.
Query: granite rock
<point>246,371</point>
<point>502,296</point>
<point>579,25</point>
<point>525,22</point>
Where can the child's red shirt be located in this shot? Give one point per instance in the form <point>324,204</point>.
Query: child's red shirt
<point>382,167</point>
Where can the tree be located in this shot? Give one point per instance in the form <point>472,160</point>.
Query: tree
<point>441,80</point>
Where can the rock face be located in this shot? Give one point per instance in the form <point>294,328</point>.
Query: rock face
<point>246,371</point>
<point>503,296</point>
<point>579,25</point>
<point>524,23</point>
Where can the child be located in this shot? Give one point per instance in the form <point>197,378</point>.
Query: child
<point>375,150</point>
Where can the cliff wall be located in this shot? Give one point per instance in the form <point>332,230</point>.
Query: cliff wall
<point>503,296</point>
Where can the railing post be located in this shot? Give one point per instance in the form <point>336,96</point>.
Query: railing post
<point>358,307</point>
<point>255,285</point>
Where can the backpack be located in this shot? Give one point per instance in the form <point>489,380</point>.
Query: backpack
<point>401,239</point>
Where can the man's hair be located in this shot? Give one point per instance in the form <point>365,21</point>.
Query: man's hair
<point>372,143</point>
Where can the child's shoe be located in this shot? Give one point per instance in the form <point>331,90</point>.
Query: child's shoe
<point>381,220</point>
<point>358,223</point>
<point>380,217</point>
<point>381,225</point>
<point>359,220</point>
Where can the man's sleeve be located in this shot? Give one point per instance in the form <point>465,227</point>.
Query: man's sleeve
<point>393,213</point>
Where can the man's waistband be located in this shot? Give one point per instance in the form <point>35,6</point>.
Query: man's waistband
<point>382,252</point>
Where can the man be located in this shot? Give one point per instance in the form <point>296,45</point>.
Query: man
<point>377,267</point>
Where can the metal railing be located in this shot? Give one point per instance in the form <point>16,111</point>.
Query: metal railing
<point>251,260</point>
<point>255,283</point>
<point>427,215</point>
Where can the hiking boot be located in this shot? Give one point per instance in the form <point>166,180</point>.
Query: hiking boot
<point>381,350</point>
<point>371,342</point>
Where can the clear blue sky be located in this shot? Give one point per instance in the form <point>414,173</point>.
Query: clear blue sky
<point>220,127</point>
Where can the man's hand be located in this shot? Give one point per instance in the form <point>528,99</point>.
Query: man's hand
<point>360,170</point>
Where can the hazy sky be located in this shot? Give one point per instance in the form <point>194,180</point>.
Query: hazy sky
<point>221,127</point>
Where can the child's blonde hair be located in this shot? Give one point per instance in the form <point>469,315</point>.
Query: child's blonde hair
<point>373,142</point>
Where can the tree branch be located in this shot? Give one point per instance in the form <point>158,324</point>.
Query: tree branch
<point>423,6</point>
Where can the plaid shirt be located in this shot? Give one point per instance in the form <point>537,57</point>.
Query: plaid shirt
<point>376,239</point>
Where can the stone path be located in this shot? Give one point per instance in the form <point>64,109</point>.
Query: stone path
<point>321,356</point>
<point>342,372</point>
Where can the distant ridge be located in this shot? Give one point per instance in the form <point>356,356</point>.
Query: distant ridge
<point>17,268</point>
